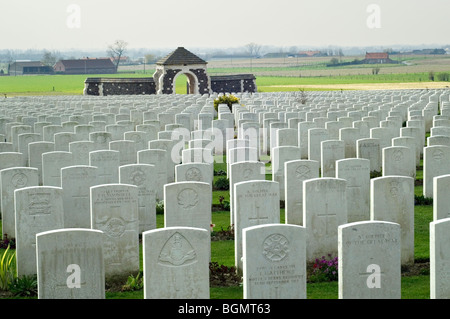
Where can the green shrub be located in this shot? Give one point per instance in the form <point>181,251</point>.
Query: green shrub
<point>222,183</point>
<point>160,207</point>
<point>224,204</point>
<point>7,270</point>
<point>375,174</point>
<point>134,283</point>
<point>220,173</point>
<point>226,99</point>
<point>422,200</point>
<point>24,286</point>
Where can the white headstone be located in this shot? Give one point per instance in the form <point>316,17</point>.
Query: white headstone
<point>35,151</point>
<point>331,151</point>
<point>187,204</point>
<point>70,264</point>
<point>279,156</point>
<point>157,158</point>
<point>194,172</point>
<point>37,209</point>
<point>392,200</point>
<point>242,172</point>
<point>107,162</point>
<point>441,200</point>
<point>126,149</point>
<point>10,180</point>
<point>255,203</point>
<point>439,259</point>
<point>143,176</point>
<point>369,148</point>
<point>324,209</point>
<point>369,260</point>
<point>76,182</point>
<point>176,263</point>
<point>356,171</point>
<point>315,137</point>
<point>52,163</point>
<point>398,160</point>
<point>274,262</point>
<point>435,163</point>
<point>80,151</point>
<point>114,210</point>
<point>295,173</point>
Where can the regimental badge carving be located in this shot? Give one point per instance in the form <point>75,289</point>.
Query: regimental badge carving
<point>247,173</point>
<point>177,251</point>
<point>397,155</point>
<point>19,180</point>
<point>438,155</point>
<point>136,137</point>
<point>276,247</point>
<point>115,227</point>
<point>302,172</point>
<point>193,174</point>
<point>394,188</point>
<point>187,198</point>
<point>100,139</point>
<point>138,177</point>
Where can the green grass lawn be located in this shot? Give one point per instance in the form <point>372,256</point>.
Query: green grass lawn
<point>74,84</point>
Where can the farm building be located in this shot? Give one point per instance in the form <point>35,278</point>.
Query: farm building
<point>85,66</point>
<point>310,54</point>
<point>377,58</point>
<point>28,68</point>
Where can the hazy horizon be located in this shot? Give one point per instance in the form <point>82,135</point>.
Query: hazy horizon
<point>93,25</point>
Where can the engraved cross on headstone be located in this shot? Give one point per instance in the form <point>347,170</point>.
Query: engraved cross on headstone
<point>327,215</point>
<point>258,219</point>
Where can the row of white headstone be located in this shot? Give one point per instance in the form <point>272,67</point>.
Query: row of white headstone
<point>247,192</point>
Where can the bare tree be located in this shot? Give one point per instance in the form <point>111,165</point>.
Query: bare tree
<point>253,49</point>
<point>49,58</point>
<point>117,50</point>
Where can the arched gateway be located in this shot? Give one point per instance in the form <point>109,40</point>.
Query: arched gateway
<point>180,61</point>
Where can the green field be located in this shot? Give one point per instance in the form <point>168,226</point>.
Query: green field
<point>271,75</point>
<point>74,84</point>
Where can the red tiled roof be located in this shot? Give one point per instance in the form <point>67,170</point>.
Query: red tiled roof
<point>377,55</point>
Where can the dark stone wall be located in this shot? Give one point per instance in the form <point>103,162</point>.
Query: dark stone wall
<point>140,86</point>
<point>113,86</point>
<point>233,83</point>
<point>226,86</point>
<point>168,80</point>
<point>203,82</point>
<point>91,88</point>
<point>249,86</point>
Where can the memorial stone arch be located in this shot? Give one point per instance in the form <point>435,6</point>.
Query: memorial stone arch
<point>181,61</point>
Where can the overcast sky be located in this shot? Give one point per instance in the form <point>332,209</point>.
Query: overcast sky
<point>93,24</point>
